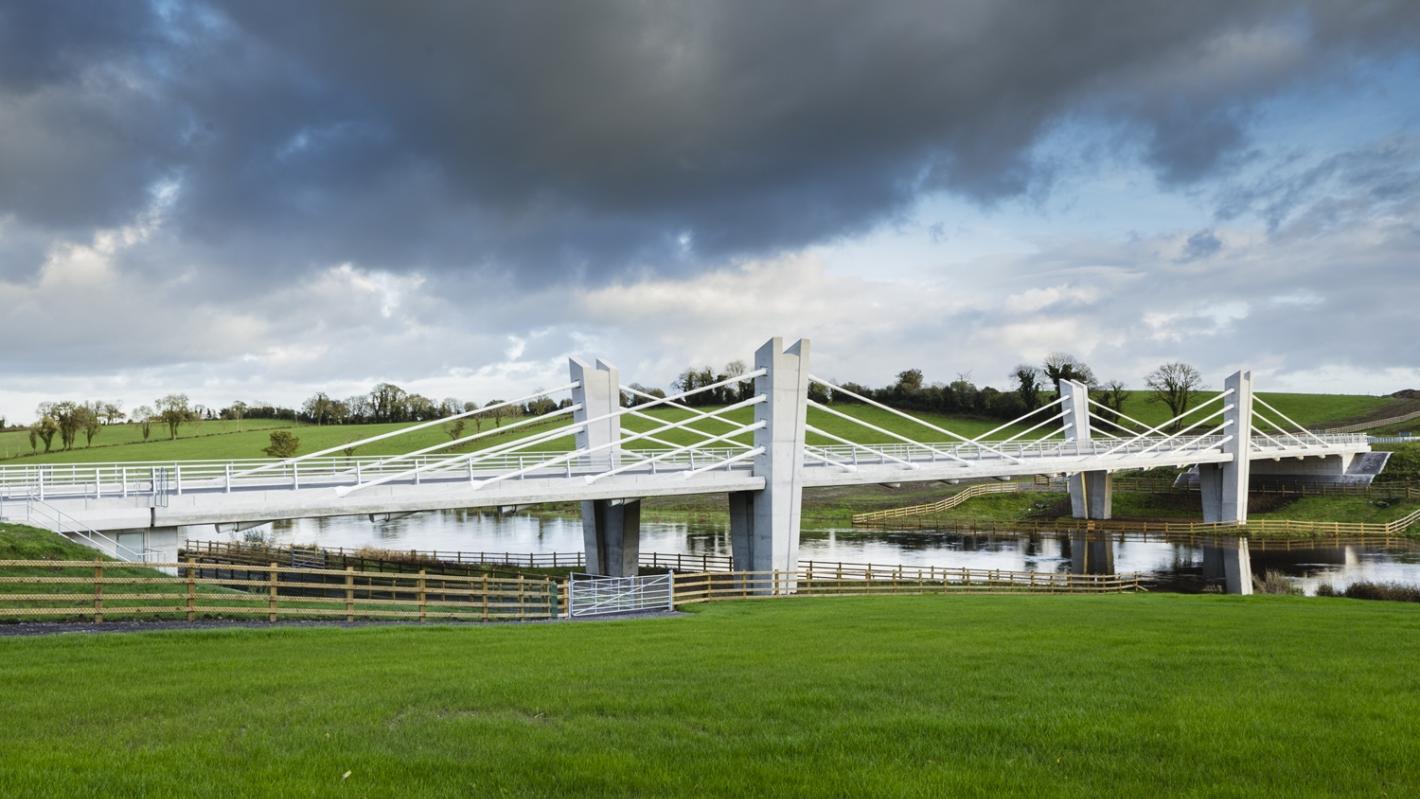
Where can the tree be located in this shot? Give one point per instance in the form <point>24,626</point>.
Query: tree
<point>909,381</point>
<point>454,428</point>
<point>89,416</point>
<point>317,408</point>
<point>68,418</point>
<point>143,415</point>
<point>112,412</point>
<point>1175,385</point>
<point>1060,366</point>
<point>174,410</point>
<point>1027,379</point>
<point>388,403</point>
<point>44,430</point>
<point>283,444</point>
<point>1112,396</point>
<point>236,411</point>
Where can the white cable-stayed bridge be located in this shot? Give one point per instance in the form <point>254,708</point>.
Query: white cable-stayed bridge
<point>763,464</point>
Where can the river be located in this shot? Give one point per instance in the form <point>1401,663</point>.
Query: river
<point>1168,565</point>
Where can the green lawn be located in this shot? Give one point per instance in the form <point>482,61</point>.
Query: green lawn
<point>1171,506</point>
<point>892,696</point>
<point>224,440</point>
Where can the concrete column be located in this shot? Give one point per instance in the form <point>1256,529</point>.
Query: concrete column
<point>611,529</point>
<point>764,524</point>
<point>1224,486</point>
<point>611,533</point>
<point>1092,492</point>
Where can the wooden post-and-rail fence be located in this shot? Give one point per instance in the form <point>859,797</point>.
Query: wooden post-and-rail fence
<point>109,590</point>
<point>272,591</point>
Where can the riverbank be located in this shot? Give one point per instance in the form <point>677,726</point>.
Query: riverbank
<point>834,508</point>
<point>910,696</point>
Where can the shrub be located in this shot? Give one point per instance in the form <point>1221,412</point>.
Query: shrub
<point>283,444</point>
<point>1274,582</point>
<point>1394,592</point>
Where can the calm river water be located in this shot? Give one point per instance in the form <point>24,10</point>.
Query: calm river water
<point>1185,566</point>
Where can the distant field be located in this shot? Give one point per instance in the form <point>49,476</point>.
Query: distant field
<point>224,439</point>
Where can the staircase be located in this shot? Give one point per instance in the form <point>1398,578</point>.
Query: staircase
<point>38,513</point>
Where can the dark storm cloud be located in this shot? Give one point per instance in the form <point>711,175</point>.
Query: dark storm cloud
<point>558,139</point>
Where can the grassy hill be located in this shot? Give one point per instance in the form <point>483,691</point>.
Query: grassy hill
<point>884,696</point>
<point>224,439</point>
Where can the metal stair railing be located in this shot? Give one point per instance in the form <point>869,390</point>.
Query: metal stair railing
<point>39,513</point>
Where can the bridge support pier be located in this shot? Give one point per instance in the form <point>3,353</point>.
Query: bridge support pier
<point>1091,493</point>
<point>764,524</point>
<point>611,533</point>
<point>1223,486</point>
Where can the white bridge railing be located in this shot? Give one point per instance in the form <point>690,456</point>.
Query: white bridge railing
<point>143,479</point>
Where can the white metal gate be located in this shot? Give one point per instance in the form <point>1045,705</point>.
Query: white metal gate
<point>590,595</point>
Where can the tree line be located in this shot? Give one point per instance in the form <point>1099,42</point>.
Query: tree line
<point>67,420</point>
<point>1174,384</point>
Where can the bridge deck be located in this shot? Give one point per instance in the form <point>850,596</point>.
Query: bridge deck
<point>115,496</point>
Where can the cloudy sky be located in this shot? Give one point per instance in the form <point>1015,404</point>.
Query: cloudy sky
<point>259,200</point>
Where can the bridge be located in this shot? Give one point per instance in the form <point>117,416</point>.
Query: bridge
<point>134,510</point>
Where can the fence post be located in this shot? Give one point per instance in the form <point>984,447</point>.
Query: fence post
<point>423,593</point>
<point>349,593</point>
<point>271,578</point>
<point>670,589</point>
<point>98,593</point>
<point>520,597</point>
<point>485,597</point>
<point>191,589</point>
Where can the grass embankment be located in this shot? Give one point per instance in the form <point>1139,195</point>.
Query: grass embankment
<point>21,542</point>
<point>899,696</point>
<point>225,440</point>
<point>1039,506</point>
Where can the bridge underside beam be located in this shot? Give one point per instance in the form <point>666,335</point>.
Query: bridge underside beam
<point>611,533</point>
<point>1091,495</point>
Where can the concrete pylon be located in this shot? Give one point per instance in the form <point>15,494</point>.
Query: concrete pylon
<point>611,528</point>
<point>764,524</point>
<point>1223,486</point>
<point>1092,492</point>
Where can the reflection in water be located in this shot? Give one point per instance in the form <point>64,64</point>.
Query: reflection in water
<point>1170,565</point>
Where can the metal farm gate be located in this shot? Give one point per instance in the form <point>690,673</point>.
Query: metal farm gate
<point>590,595</point>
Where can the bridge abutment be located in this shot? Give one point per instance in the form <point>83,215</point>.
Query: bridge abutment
<point>1223,486</point>
<point>764,524</point>
<point>1092,492</point>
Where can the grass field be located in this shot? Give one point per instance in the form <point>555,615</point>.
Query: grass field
<point>899,696</point>
<point>1138,505</point>
<point>225,440</point>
